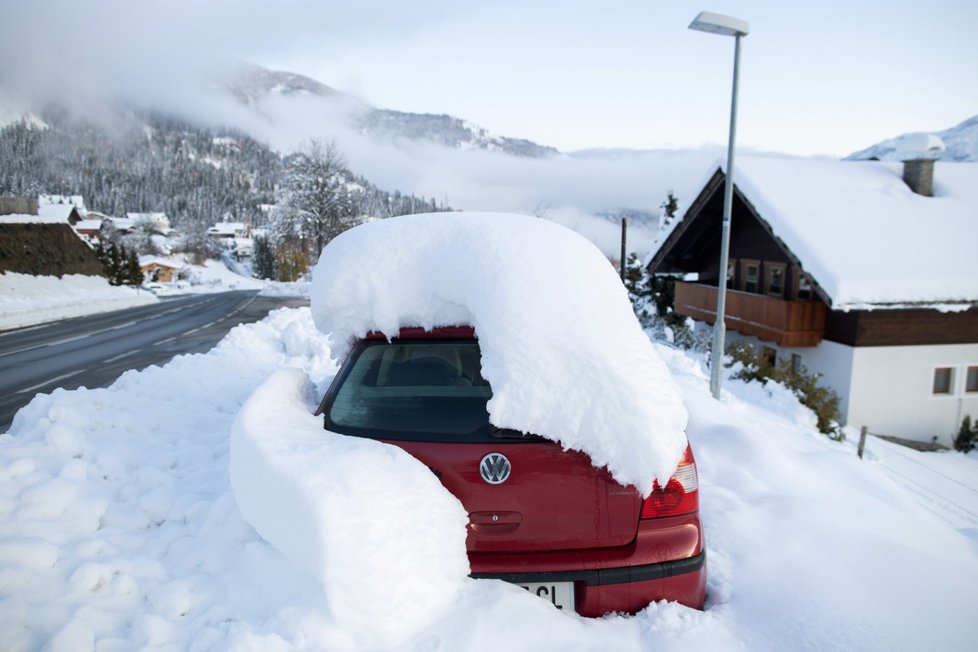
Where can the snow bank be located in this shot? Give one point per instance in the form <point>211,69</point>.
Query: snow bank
<point>119,529</point>
<point>369,521</point>
<point>564,354</point>
<point>117,521</point>
<point>26,299</point>
<point>280,289</point>
<point>812,548</point>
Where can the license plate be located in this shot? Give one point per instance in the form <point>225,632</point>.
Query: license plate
<point>559,594</point>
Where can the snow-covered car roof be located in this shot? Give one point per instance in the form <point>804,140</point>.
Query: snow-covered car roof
<point>560,345</point>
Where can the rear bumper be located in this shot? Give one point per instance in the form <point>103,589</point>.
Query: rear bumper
<point>666,561</point>
<point>628,589</point>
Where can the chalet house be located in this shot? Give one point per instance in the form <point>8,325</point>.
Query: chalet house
<point>43,214</point>
<point>154,222</point>
<point>850,269</point>
<point>89,229</point>
<point>158,269</point>
<point>57,209</point>
<point>39,238</point>
<point>226,230</point>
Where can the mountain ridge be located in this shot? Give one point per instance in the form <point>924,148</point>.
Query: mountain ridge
<point>960,141</point>
<point>251,84</point>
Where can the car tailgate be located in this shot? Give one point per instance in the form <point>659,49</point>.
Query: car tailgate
<point>552,500</point>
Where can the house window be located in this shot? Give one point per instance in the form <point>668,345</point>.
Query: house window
<point>943,381</point>
<point>750,275</point>
<point>971,381</point>
<point>804,288</point>
<point>775,279</point>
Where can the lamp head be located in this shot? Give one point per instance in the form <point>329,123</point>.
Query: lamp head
<point>713,23</point>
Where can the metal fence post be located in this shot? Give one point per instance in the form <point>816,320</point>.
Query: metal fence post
<point>862,441</point>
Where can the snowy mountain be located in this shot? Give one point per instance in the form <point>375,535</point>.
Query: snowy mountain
<point>251,84</point>
<point>196,175</point>
<point>446,130</point>
<point>961,142</point>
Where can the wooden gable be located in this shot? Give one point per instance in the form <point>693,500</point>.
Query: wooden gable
<point>787,319</point>
<point>694,245</point>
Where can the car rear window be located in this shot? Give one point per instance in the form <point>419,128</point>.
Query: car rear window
<point>412,390</point>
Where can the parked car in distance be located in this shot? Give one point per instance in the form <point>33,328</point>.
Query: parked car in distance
<point>540,517</point>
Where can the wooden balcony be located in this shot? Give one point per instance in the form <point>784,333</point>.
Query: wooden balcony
<point>787,323</point>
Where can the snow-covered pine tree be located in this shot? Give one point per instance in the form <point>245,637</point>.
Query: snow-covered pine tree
<point>669,208</point>
<point>314,203</point>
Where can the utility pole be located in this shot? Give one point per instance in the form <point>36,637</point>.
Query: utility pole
<point>624,233</point>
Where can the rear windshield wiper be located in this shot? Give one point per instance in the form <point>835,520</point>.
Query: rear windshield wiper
<point>509,433</point>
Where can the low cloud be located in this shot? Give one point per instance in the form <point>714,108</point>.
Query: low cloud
<point>99,58</point>
<point>574,189</point>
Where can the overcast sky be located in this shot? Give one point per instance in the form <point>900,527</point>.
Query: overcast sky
<point>825,77</point>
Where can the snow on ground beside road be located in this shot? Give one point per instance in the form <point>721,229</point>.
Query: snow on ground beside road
<point>560,345</point>
<point>26,300</point>
<point>945,483</point>
<point>119,531</point>
<point>216,276</point>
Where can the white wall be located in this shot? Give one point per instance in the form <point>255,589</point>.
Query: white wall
<point>834,361</point>
<point>892,391</point>
<point>888,389</point>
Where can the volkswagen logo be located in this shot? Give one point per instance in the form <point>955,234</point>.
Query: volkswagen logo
<point>494,468</point>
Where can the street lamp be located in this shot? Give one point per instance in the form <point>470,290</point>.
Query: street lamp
<point>726,26</point>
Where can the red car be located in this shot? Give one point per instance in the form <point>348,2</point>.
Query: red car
<point>539,516</point>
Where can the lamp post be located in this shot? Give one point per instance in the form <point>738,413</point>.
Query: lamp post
<point>726,26</point>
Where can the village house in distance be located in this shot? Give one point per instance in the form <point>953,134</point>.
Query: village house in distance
<point>862,271</point>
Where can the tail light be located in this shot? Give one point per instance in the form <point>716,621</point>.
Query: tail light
<point>680,495</point>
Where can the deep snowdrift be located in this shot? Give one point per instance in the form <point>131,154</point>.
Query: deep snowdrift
<point>338,507</point>
<point>561,347</point>
<point>119,531</point>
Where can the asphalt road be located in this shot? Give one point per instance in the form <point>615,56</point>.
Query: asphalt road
<point>93,351</point>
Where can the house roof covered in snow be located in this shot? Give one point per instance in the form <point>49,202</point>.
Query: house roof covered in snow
<point>74,201</point>
<point>862,234</point>
<point>228,228</point>
<point>32,219</point>
<point>88,225</point>
<point>160,262</point>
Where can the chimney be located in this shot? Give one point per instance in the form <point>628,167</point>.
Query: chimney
<point>918,173</point>
<point>918,151</point>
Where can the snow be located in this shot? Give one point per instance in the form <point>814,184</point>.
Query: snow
<point>228,229</point>
<point>88,225</point>
<point>78,201</point>
<point>560,345</point>
<point>917,145</point>
<point>157,260</point>
<point>863,235</point>
<point>304,491</point>
<point>26,300</point>
<point>119,529</point>
<point>55,212</point>
<point>15,218</point>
